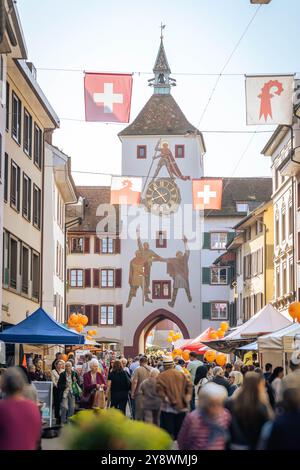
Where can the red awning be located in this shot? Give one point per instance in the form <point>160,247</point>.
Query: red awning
<point>196,345</point>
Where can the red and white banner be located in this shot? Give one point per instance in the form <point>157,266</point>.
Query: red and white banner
<point>207,194</point>
<point>107,97</point>
<point>269,99</point>
<point>125,190</point>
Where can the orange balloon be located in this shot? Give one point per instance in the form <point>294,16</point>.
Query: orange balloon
<point>294,310</point>
<point>186,355</point>
<point>79,328</point>
<point>210,355</point>
<point>74,318</point>
<point>84,320</point>
<point>94,332</point>
<point>220,333</point>
<point>64,357</point>
<point>213,335</point>
<point>224,326</point>
<point>89,338</point>
<point>90,332</point>
<point>221,359</point>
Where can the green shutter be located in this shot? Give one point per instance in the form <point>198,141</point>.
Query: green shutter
<point>206,240</point>
<point>205,275</point>
<point>230,236</point>
<point>206,310</point>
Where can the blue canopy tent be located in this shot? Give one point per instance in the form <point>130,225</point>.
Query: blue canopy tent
<point>40,328</point>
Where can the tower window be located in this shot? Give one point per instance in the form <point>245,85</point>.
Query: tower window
<point>141,151</point>
<point>179,151</point>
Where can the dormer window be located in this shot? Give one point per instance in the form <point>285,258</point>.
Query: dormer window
<point>242,207</point>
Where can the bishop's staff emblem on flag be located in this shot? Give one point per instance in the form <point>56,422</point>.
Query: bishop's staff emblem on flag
<point>126,190</point>
<point>107,97</point>
<point>269,99</point>
<point>207,194</point>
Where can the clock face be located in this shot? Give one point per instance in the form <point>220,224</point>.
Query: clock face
<point>162,196</point>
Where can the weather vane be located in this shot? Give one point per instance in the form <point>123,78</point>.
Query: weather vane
<point>162,26</point>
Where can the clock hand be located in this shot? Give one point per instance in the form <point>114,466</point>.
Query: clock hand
<point>158,197</point>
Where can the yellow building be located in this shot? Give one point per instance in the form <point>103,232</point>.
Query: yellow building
<point>30,121</point>
<point>254,249</point>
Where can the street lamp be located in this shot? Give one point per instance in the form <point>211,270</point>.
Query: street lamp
<point>260,2</point>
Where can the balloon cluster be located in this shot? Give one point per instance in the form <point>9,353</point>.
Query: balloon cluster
<point>294,311</point>
<point>77,321</point>
<point>212,356</point>
<point>185,355</point>
<point>172,336</point>
<point>220,333</point>
<point>90,335</point>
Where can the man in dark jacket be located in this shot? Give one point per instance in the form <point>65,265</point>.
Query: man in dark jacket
<point>219,378</point>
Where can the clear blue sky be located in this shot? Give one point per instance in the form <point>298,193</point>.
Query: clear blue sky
<point>119,35</point>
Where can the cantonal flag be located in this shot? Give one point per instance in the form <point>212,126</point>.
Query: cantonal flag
<point>107,97</point>
<point>125,190</point>
<point>207,194</point>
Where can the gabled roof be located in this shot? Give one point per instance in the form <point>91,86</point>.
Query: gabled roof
<point>161,115</point>
<point>161,63</point>
<point>253,191</point>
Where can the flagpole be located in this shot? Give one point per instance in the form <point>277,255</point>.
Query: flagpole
<point>153,158</point>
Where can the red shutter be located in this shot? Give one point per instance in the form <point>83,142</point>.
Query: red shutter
<point>96,277</point>
<point>118,278</point>
<point>95,315</point>
<point>88,312</point>
<point>97,245</point>
<point>87,278</point>
<point>86,245</point>
<point>117,245</point>
<point>119,315</point>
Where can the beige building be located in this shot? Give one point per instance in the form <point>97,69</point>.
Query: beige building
<point>30,121</point>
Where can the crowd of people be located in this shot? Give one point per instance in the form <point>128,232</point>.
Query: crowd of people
<point>201,405</point>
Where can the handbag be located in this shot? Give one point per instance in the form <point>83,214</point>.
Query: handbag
<point>99,399</point>
<point>76,390</point>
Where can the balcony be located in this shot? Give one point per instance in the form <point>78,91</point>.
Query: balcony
<point>290,165</point>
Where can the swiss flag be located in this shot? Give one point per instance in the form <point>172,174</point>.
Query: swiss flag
<point>125,190</point>
<point>107,97</point>
<point>207,194</point>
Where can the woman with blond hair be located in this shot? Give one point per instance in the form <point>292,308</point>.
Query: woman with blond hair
<point>235,380</point>
<point>250,410</point>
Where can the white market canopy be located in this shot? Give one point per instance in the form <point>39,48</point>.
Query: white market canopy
<point>279,340</point>
<point>267,320</point>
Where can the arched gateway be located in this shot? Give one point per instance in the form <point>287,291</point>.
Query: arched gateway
<point>146,326</point>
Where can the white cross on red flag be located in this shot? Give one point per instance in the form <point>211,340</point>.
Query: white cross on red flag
<point>107,97</point>
<point>207,194</point>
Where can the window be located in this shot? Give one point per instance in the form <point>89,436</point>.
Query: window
<point>141,151</point>
<point>107,245</point>
<point>248,234</point>
<point>283,227</point>
<point>13,263</point>
<point>161,240</point>
<point>107,278</point>
<point>16,118</point>
<point>37,146</point>
<point>7,106</point>
<point>106,315</point>
<point>277,231</point>
<point>291,220</point>
<point>291,276</point>
<point>218,240</point>
<point>77,245</point>
<point>76,277</point>
<point>25,270</point>
<point>242,207</point>
<point>247,267</point>
<point>35,276</point>
<point>15,185</point>
<point>5,195</point>
<point>218,275</point>
<point>219,311</point>
<point>26,202</point>
<point>161,289</point>
<point>284,279</point>
<point>27,137</point>
<point>36,206</point>
<point>259,226</point>
<point>179,151</point>
<point>277,282</point>
<point>76,308</point>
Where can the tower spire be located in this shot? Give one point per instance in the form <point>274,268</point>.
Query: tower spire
<point>162,81</point>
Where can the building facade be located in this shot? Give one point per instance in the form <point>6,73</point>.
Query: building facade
<point>30,120</point>
<point>221,270</point>
<point>59,191</point>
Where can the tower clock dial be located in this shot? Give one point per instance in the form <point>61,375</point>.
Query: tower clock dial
<point>162,196</point>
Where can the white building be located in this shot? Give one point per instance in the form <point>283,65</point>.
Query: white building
<point>220,281</point>
<point>59,190</point>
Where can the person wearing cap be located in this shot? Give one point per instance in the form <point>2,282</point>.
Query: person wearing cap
<point>175,391</point>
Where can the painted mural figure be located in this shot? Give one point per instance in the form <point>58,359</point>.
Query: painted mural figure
<point>149,257</point>
<point>178,270</point>
<point>137,272</point>
<point>167,159</point>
